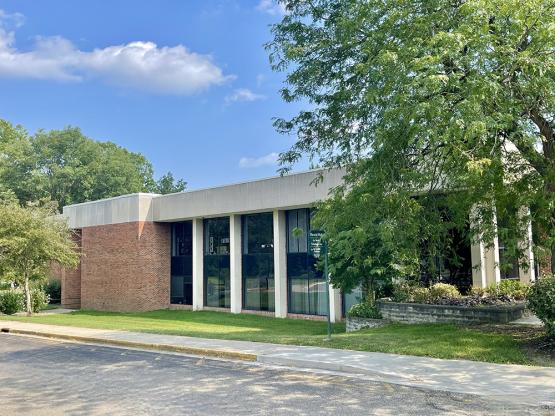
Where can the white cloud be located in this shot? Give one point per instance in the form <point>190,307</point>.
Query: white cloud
<point>243,94</point>
<point>11,19</point>
<point>270,159</point>
<point>272,7</point>
<point>140,65</point>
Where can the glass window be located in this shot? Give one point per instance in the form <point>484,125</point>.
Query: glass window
<point>307,287</point>
<point>216,263</point>
<point>258,262</point>
<point>181,286</point>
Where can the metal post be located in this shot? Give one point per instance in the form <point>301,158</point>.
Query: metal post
<point>326,273</point>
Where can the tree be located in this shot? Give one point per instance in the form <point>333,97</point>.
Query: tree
<point>77,169</point>
<point>67,167</point>
<point>167,184</point>
<point>31,238</point>
<point>18,171</point>
<point>366,248</point>
<point>428,97</point>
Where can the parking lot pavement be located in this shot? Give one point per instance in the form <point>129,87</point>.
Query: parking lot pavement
<point>45,377</point>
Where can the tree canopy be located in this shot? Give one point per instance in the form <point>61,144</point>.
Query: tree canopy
<point>31,238</point>
<point>67,167</point>
<point>427,98</point>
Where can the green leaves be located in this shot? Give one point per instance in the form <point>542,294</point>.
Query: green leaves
<point>441,96</point>
<point>67,167</point>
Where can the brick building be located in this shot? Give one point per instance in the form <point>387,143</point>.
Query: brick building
<point>242,248</point>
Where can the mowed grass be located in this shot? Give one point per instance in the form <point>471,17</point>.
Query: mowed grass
<point>433,340</point>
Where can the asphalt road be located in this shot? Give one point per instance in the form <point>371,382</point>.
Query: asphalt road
<point>44,377</point>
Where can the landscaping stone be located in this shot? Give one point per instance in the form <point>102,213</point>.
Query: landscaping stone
<point>414,313</point>
<point>355,324</point>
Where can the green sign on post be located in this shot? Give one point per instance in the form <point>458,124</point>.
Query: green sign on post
<point>318,247</point>
<point>316,243</point>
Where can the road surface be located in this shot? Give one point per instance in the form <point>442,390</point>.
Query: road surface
<point>46,377</point>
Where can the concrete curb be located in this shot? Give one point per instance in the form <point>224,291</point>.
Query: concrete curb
<point>207,352</point>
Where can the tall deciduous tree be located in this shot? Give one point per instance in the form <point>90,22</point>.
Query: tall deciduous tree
<point>30,240</point>
<point>421,97</point>
<point>167,184</point>
<point>67,167</point>
<point>18,167</point>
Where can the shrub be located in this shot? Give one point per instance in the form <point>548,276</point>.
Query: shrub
<point>443,291</point>
<point>512,288</point>
<point>364,310</point>
<point>39,300</point>
<point>54,290</point>
<point>11,301</point>
<point>402,291</point>
<point>541,300</point>
<point>5,285</point>
<point>420,295</point>
<point>479,292</point>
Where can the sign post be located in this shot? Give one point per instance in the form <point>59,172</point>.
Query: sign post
<point>318,247</point>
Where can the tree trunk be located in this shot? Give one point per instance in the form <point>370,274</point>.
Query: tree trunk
<point>27,296</point>
<point>368,291</point>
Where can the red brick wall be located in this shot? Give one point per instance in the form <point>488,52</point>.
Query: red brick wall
<point>71,282</point>
<point>55,272</point>
<point>126,267</point>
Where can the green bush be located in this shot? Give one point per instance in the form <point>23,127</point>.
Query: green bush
<point>39,300</point>
<point>444,291</point>
<point>512,288</point>
<point>11,301</point>
<point>541,300</point>
<point>420,295</point>
<point>403,291</point>
<point>54,290</point>
<point>364,310</point>
<point>478,291</point>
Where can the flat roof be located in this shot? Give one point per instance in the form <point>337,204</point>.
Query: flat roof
<point>279,192</point>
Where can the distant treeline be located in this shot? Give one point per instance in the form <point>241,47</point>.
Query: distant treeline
<point>67,167</point>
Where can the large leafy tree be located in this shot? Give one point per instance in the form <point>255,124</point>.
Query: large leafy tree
<point>67,167</point>
<point>427,97</point>
<point>167,184</point>
<point>31,238</point>
<point>18,171</point>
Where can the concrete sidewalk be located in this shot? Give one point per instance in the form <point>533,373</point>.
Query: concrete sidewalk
<point>523,384</point>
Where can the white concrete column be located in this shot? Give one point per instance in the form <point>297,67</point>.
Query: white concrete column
<point>485,257</point>
<point>280,263</point>
<point>526,270</point>
<point>198,264</point>
<point>335,304</point>
<point>235,269</point>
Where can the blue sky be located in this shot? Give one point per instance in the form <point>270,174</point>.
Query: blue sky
<point>186,83</point>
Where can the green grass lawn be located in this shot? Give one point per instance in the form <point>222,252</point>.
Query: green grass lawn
<point>478,343</point>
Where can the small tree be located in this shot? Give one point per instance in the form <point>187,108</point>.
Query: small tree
<point>367,249</point>
<point>30,239</point>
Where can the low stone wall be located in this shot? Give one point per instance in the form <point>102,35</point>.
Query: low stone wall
<point>355,324</point>
<point>414,313</point>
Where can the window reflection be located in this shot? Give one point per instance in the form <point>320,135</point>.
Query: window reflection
<point>306,284</point>
<point>258,262</point>
<point>181,286</point>
<point>216,263</point>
